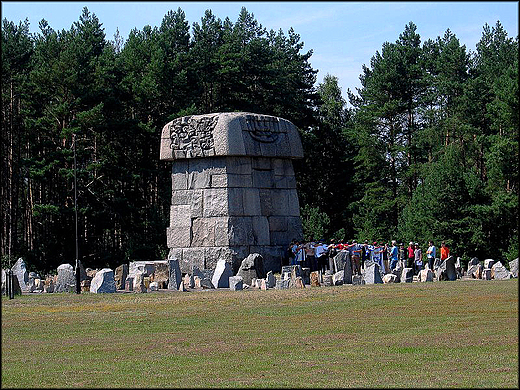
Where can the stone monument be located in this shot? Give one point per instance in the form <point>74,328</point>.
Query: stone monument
<point>233,188</point>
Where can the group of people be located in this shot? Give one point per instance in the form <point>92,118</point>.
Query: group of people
<point>318,256</point>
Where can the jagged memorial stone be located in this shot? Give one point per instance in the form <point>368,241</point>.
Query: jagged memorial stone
<point>372,274</point>
<point>222,274</point>
<point>174,274</point>
<point>499,271</point>
<point>103,282</point>
<point>233,188</point>
<point>251,268</point>
<point>446,270</point>
<point>66,280</point>
<point>513,267</point>
<point>20,272</point>
<point>120,275</point>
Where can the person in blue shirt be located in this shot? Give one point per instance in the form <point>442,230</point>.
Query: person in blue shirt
<point>430,254</point>
<point>377,256</point>
<point>393,255</point>
<point>299,254</point>
<point>321,255</point>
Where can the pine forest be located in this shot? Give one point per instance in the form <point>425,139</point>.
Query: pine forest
<point>427,148</point>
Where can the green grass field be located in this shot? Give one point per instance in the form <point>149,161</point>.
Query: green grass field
<point>442,334</point>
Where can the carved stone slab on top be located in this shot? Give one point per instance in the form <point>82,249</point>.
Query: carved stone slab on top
<point>230,134</point>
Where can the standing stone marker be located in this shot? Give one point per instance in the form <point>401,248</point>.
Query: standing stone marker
<point>251,267</point>
<point>282,284</point>
<point>499,271</point>
<point>120,275</point>
<point>358,280</point>
<point>103,282</point>
<point>299,282</point>
<point>20,272</point>
<point>174,274</point>
<point>372,274</point>
<point>233,188</point>
<point>474,271</point>
<point>327,280</point>
<point>390,278</point>
<point>222,274</point>
<point>236,283</point>
<point>446,270</point>
<point>338,277</point>
<point>425,275</point>
<point>306,275</point>
<point>513,267</point>
<point>340,259</point>
<point>486,274</point>
<point>270,279</point>
<point>347,271</point>
<point>315,279</point>
<point>66,280</point>
<point>161,274</point>
<point>488,263</point>
<point>129,283</point>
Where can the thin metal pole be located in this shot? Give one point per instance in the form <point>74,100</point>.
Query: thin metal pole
<point>10,279</point>
<point>78,290</point>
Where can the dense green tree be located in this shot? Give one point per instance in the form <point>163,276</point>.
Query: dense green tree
<point>389,156</point>
<point>472,112</point>
<point>17,52</point>
<point>325,173</point>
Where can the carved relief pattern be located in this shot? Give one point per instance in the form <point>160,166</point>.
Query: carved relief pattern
<point>193,135</point>
<point>262,128</point>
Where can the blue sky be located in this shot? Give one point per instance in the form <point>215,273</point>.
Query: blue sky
<point>342,35</point>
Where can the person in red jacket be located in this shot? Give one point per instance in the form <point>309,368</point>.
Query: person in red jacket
<point>445,251</point>
<point>411,256</point>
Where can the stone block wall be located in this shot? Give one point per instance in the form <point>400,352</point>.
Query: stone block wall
<point>230,207</point>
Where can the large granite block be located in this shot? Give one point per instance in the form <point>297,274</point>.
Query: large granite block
<point>251,202</point>
<point>261,163</point>
<point>196,203</point>
<point>293,203</point>
<point>238,165</point>
<point>240,231</point>
<point>513,267</point>
<point>203,232</point>
<point>372,275</point>
<point>229,254</point>
<point>180,215</point>
<point>263,179</point>
<point>20,272</point>
<point>180,181</point>
<point>192,257</point>
<point>178,237</point>
<point>235,199</point>
<point>278,224</point>
<point>66,281</point>
<point>261,234</point>
<point>181,197</point>
<point>215,202</point>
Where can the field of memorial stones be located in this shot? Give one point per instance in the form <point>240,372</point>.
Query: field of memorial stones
<point>461,333</point>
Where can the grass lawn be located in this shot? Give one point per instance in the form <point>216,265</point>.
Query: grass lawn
<point>442,334</point>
